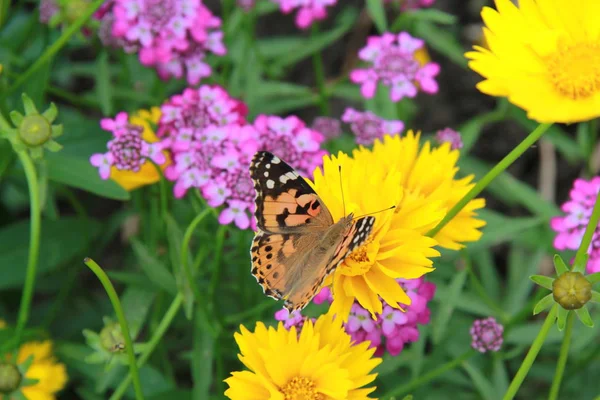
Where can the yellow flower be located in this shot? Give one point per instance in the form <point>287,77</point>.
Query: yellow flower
<point>51,375</point>
<point>544,56</point>
<point>2,324</point>
<point>421,183</point>
<point>147,174</point>
<point>319,363</point>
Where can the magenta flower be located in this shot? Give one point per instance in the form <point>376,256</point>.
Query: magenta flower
<point>291,319</point>
<point>411,4</point>
<point>212,145</point>
<point>393,63</point>
<point>448,135</point>
<point>487,335</point>
<point>174,36</point>
<point>367,126</point>
<point>571,226</point>
<point>309,11</point>
<point>330,128</point>
<point>392,329</point>
<point>246,5</point>
<point>127,150</point>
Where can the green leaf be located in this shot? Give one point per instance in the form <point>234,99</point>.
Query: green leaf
<point>483,386</point>
<point>16,118</point>
<point>499,229</point>
<point>103,84</point>
<point>561,318</point>
<point>559,265</point>
<point>60,241</point>
<point>377,13</point>
<point>274,47</point>
<point>441,40</point>
<point>595,297</point>
<point>543,304</point>
<point>543,280</point>
<point>175,240</point>
<point>499,374</point>
<point>280,88</point>
<point>202,358</point>
<point>584,316</point>
<point>318,42</point>
<point>79,173</point>
<point>593,278</point>
<point>136,304</point>
<point>346,91</point>
<point>154,269</point>
<point>284,105</point>
<point>449,301</point>
<point>521,264</point>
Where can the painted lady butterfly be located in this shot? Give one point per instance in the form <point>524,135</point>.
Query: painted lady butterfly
<point>297,243</point>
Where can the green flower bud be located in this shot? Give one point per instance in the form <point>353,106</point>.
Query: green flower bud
<point>111,338</point>
<point>10,378</point>
<point>571,290</point>
<point>35,130</point>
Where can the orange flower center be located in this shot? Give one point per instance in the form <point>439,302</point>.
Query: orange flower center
<point>358,262</point>
<point>575,71</point>
<point>301,389</point>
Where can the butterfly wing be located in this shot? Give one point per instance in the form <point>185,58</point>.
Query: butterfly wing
<point>285,203</point>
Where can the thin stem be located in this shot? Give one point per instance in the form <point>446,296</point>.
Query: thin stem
<point>114,299</point>
<point>163,188</point>
<point>562,358</point>
<point>184,254</point>
<point>430,376</point>
<point>54,48</point>
<point>490,176</point>
<point>216,270</point>
<point>34,243</point>
<point>151,345</point>
<point>320,75</point>
<point>589,234</point>
<point>531,355</point>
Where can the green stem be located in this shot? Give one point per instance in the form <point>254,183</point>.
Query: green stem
<point>34,243</point>
<point>531,355</point>
<point>589,234</point>
<point>54,48</point>
<point>216,270</point>
<point>163,189</point>
<point>4,6</point>
<point>184,254</point>
<point>320,75</point>
<point>562,358</point>
<point>151,345</point>
<point>490,176</point>
<point>430,376</point>
<point>114,299</point>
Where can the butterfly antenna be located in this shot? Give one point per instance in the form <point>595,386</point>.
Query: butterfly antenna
<point>342,188</point>
<point>375,212</point>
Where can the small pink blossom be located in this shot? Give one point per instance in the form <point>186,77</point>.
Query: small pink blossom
<point>487,335</point>
<point>448,135</point>
<point>393,63</point>
<point>330,128</point>
<point>309,11</point>
<point>570,227</point>
<point>103,162</point>
<point>367,126</point>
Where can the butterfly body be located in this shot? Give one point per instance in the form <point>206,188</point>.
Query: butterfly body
<point>297,243</point>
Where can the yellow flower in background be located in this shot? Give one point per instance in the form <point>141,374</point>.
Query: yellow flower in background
<point>134,141</point>
<point>421,184</point>
<point>318,363</point>
<point>544,56</point>
<point>51,376</point>
<point>2,324</point>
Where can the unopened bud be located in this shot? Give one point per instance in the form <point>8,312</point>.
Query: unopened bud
<point>10,378</point>
<point>35,130</point>
<point>571,290</point>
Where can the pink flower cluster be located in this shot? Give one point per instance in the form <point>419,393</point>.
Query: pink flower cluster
<point>212,145</point>
<point>571,227</point>
<point>309,11</point>
<point>392,329</point>
<point>448,135</point>
<point>367,126</point>
<point>127,150</point>
<point>174,36</point>
<point>486,335</point>
<point>393,62</point>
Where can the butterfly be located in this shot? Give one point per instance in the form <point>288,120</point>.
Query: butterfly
<point>297,243</point>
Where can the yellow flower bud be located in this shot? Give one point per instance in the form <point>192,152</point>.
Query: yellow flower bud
<point>10,378</point>
<point>571,290</point>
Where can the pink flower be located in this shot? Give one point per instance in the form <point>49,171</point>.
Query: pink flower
<point>330,128</point>
<point>367,126</point>
<point>235,212</point>
<point>393,63</point>
<point>571,226</point>
<point>309,11</point>
<point>392,329</point>
<point>173,36</point>
<point>103,162</point>
<point>448,135</point>
<point>486,335</point>
<point>246,5</point>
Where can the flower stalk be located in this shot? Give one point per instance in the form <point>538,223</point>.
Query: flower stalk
<point>317,61</point>
<point>531,355</point>
<point>35,213</point>
<point>562,358</point>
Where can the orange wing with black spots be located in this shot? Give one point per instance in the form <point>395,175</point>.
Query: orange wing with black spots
<point>297,244</point>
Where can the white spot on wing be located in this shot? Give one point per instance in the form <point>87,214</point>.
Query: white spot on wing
<point>276,160</point>
<point>270,183</point>
<point>266,174</point>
